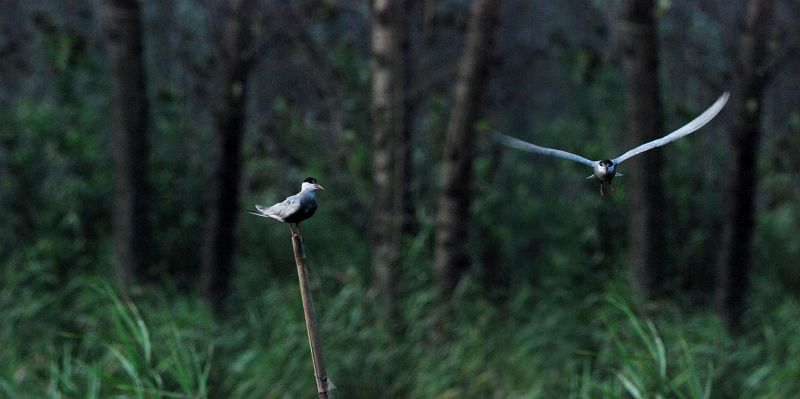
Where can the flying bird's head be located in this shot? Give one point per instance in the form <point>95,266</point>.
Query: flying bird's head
<point>311,184</point>
<point>604,170</point>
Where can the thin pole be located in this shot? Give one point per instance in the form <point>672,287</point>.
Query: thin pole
<point>308,312</point>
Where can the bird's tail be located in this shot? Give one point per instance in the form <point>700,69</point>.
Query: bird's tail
<point>257,214</point>
<point>262,211</point>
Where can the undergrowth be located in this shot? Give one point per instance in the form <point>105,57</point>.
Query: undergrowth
<point>83,340</point>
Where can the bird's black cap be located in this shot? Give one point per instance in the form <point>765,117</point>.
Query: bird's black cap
<point>310,180</point>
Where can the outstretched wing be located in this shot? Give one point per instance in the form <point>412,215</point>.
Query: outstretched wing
<point>525,146</point>
<point>690,127</point>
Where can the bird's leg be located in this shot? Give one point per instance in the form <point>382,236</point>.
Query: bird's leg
<point>613,191</point>
<point>298,228</point>
<point>291,229</point>
<point>602,194</point>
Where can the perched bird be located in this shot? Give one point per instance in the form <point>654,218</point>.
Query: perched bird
<point>605,170</point>
<point>296,208</point>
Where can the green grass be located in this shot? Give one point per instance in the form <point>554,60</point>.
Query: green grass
<point>83,341</point>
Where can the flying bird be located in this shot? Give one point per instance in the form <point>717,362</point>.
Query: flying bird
<point>605,170</point>
<point>296,208</point>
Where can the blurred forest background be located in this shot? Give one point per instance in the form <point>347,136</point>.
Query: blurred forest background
<point>134,134</point>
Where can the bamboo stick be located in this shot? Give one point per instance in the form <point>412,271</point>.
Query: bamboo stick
<point>323,383</point>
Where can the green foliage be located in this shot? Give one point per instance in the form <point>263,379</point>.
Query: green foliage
<point>540,315</point>
<point>541,342</point>
<point>104,347</point>
<point>179,162</point>
<point>55,188</point>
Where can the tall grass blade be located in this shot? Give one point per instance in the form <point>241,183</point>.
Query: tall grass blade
<point>630,386</point>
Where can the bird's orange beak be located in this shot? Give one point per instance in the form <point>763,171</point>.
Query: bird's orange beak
<point>318,187</point>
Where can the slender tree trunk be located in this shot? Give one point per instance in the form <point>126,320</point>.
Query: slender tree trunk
<point>451,255</point>
<point>162,58</point>
<point>129,115</point>
<point>733,268</point>
<point>645,123</point>
<point>410,109</point>
<point>389,147</point>
<point>234,70</point>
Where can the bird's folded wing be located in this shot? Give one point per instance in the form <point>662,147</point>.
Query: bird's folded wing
<point>283,209</point>
<point>525,146</point>
<point>690,127</point>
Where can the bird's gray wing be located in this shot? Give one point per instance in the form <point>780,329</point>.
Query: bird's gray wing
<point>282,209</point>
<point>525,146</point>
<point>690,127</point>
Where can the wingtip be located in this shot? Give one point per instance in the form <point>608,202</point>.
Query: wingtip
<point>722,99</point>
<point>497,136</point>
<point>507,140</point>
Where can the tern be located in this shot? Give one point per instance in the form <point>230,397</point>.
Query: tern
<point>605,170</point>
<point>296,208</point>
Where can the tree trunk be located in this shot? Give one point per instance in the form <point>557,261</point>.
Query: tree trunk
<point>162,54</point>
<point>645,123</point>
<point>234,70</point>
<point>389,146</point>
<point>733,268</point>
<point>410,110</point>
<point>129,115</point>
<point>451,255</point>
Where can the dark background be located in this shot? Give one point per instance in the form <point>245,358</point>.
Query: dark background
<point>134,135</point>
